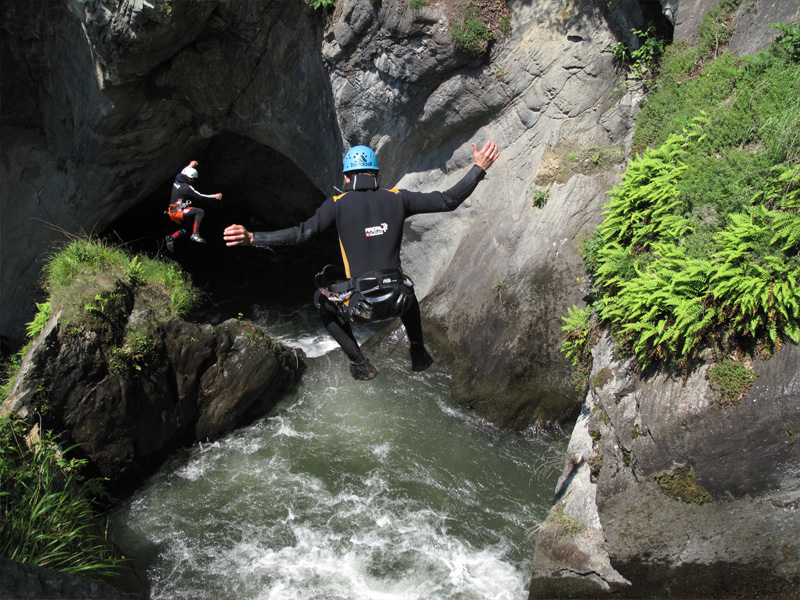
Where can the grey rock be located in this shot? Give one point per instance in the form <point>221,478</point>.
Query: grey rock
<point>740,538</point>
<point>25,581</point>
<point>197,383</point>
<point>751,22</point>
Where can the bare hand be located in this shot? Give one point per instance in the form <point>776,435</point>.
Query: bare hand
<point>237,235</point>
<point>194,163</point>
<point>218,196</point>
<point>487,155</point>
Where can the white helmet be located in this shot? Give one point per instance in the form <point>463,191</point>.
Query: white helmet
<point>190,172</point>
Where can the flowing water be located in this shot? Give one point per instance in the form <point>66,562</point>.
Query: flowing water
<point>347,490</point>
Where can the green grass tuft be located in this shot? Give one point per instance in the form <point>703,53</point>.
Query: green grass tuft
<point>730,379</point>
<point>682,484</point>
<point>71,277</point>
<point>470,34</point>
<point>46,514</point>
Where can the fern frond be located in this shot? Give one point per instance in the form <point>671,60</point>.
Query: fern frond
<point>792,330</point>
<point>786,227</point>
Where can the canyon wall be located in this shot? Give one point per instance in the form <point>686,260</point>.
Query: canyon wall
<point>109,100</point>
<point>104,101</point>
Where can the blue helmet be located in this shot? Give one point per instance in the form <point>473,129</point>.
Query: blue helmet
<point>360,158</point>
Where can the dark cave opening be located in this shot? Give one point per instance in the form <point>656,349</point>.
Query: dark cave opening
<point>262,190</point>
<point>653,14</point>
<point>646,13</point>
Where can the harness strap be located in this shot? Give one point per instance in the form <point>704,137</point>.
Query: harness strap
<point>367,281</point>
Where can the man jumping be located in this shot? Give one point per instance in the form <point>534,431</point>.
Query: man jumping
<point>369,220</point>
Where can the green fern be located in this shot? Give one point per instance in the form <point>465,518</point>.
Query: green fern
<point>577,330</point>
<point>689,255</point>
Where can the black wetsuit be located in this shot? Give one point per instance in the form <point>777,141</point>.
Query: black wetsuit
<point>369,220</point>
<point>182,195</point>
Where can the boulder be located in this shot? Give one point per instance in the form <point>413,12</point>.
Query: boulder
<point>128,405</point>
<point>683,494</point>
<point>25,581</point>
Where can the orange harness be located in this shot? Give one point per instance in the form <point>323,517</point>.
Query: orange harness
<point>175,211</point>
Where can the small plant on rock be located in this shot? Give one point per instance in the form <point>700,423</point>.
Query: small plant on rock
<point>43,312</point>
<point>730,379</point>
<point>558,526</point>
<point>682,484</point>
<point>540,198</point>
<point>471,35</point>
<point>322,4</point>
<point>646,57</point>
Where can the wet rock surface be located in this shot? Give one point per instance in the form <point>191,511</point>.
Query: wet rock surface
<point>128,411</point>
<point>685,497</point>
<point>24,581</point>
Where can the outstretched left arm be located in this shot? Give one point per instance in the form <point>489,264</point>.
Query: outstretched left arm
<point>486,156</point>
<point>238,235</point>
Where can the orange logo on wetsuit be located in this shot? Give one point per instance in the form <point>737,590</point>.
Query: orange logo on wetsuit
<point>377,230</point>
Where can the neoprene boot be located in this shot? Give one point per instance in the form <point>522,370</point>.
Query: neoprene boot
<point>362,370</point>
<point>420,359</point>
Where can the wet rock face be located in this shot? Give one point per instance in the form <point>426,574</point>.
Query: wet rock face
<point>128,410</point>
<point>26,580</point>
<point>687,465</point>
<point>687,496</point>
<point>118,97</point>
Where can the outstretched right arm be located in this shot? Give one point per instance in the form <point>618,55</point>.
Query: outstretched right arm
<point>237,235</point>
<point>422,202</point>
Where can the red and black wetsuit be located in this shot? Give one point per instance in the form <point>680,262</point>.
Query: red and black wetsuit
<point>180,204</point>
<point>369,220</point>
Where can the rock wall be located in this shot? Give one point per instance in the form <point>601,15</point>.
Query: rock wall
<point>685,496</point>
<point>664,492</point>
<point>106,100</point>
<point>130,404</point>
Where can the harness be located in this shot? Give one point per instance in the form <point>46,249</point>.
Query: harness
<point>374,296</point>
<point>175,210</point>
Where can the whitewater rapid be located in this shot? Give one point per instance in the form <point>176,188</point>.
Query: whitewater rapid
<point>347,490</point>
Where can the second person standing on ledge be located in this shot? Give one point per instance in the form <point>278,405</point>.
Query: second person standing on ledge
<point>369,220</point>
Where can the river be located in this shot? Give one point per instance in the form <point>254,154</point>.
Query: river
<point>347,490</point>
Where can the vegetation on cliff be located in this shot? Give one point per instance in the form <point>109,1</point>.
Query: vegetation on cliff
<point>700,247</point>
<point>88,281</point>
<point>46,512</point>
<point>474,24</point>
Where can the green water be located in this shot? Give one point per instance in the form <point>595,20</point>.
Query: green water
<point>348,490</point>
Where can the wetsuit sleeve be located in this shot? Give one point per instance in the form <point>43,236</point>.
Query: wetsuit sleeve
<point>426,202</point>
<point>190,192</point>
<point>319,222</point>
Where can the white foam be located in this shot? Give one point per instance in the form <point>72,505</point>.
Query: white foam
<point>282,427</point>
<point>382,450</point>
